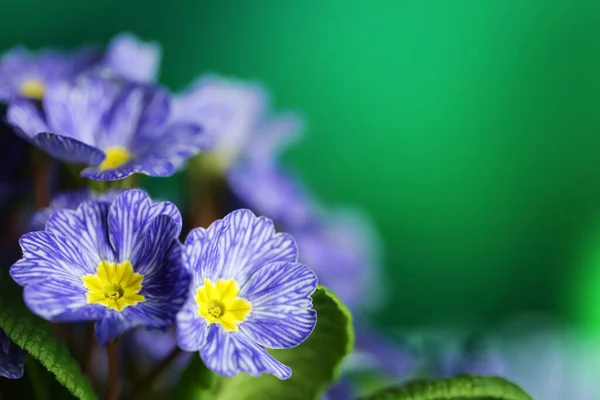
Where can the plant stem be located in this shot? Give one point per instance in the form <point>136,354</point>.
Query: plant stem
<point>32,370</point>
<point>113,371</point>
<point>89,344</point>
<point>41,179</point>
<point>145,383</point>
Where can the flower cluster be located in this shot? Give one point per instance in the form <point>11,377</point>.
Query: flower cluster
<point>112,256</point>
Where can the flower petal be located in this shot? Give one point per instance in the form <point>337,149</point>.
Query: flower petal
<point>133,58</point>
<point>26,118</point>
<point>113,325</point>
<point>87,227</point>
<point>191,328</point>
<point>60,300</point>
<point>229,353</point>
<point>281,315</point>
<point>68,149</point>
<point>127,220</point>
<point>249,243</point>
<point>46,254</point>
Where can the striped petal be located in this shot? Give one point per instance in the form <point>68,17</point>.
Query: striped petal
<point>113,325</point>
<point>46,254</point>
<point>229,353</point>
<point>249,243</point>
<point>281,314</point>
<point>156,243</point>
<point>68,149</point>
<point>87,227</point>
<point>127,219</point>
<point>58,300</point>
<point>191,328</point>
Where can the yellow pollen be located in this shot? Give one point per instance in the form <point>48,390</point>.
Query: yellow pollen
<point>219,303</point>
<point>116,156</point>
<point>114,285</point>
<point>33,89</point>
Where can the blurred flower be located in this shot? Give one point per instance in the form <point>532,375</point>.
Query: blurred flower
<point>235,117</point>
<point>118,264</point>
<point>342,248</point>
<point>248,291</point>
<point>70,201</point>
<point>132,58</point>
<point>12,358</point>
<point>117,128</point>
<point>272,192</point>
<point>25,74</point>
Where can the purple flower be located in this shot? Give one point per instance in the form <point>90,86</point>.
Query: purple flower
<point>248,292</point>
<point>272,192</point>
<point>70,201</point>
<point>235,117</point>
<point>12,358</point>
<point>343,250</point>
<point>24,74</point>
<point>116,128</point>
<point>133,59</point>
<point>118,264</point>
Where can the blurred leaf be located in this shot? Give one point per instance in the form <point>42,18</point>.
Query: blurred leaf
<point>315,363</point>
<point>195,382</point>
<point>36,337</point>
<point>463,387</point>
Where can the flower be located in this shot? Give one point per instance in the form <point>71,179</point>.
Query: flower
<point>270,191</point>
<point>116,127</point>
<point>344,251</point>
<point>24,74</point>
<point>234,115</point>
<point>70,200</point>
<point>132,58</point>
<point>248,292</point>
<point>118,264</point>
<point>12,358</point>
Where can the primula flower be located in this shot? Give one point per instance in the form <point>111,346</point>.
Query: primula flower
<point>132,58</point>
<point>118,264</point>
<point>12,358</point>
<point>235,117</point>
<point>26,74</point>
<point>70,200</point>
<point>248,292</point>
<point>116,127</point>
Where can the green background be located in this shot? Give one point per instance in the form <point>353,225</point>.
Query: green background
<point>469,130</point>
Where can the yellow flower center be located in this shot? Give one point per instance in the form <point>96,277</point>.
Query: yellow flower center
<point>115,285</point>
<point>33,89</point>
<point>116,156</point>
<point>219,303</point>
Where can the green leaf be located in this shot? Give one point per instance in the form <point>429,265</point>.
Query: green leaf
<point>36,337</point>
<point>315,363</point>
<point>463,387</point>
<point>195,382</point>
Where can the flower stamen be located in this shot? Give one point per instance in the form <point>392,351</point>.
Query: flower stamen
<point>114,285</point>
<point>219,303</point>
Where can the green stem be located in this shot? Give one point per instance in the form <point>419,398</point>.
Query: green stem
<point>38,385</point>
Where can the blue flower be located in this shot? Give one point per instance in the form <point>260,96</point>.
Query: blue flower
<point>133,59</point>
<point>248,292</point>
<point>235,115</point>
<point>70,201</point>
<point>24,74</point>
<point>115,127</point>
<point>12,358</point>
<point>118,264</point>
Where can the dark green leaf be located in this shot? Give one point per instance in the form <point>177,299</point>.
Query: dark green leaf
<point>463,387</point>
<point>315,363</point>
<point>36,337</point>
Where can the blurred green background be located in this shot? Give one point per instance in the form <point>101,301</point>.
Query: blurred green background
<point>469,130</point>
